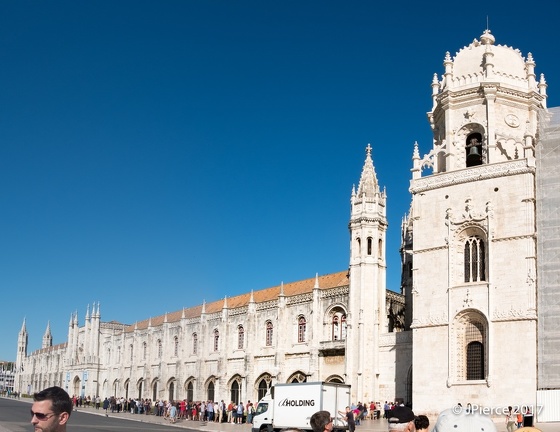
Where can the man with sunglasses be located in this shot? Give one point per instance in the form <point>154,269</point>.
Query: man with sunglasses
<point>51,410</point>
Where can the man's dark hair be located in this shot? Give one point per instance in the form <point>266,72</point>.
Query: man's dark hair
<point>61,401</point>
<point>319,420</point>
<point>421,422</point>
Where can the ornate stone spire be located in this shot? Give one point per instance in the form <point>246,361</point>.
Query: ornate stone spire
<point>368,181</point>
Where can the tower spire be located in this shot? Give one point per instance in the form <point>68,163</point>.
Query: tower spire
<point>368,185</point>
<point>47,337</point>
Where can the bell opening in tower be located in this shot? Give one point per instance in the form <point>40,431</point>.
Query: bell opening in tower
<point>473,149</point>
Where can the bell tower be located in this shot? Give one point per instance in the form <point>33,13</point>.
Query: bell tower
<point>367,316</point>
<point>471,229</point>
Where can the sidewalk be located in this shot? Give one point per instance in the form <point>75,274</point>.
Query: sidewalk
<point>366,425</point>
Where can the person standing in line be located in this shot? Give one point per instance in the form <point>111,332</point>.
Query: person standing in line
<point>217,411</point>
<point>349,414</point>
<point>173,412</point>
<point>240,413</point>
<point>250,412</point>
<point>51,410</point>
<point>321,421</point>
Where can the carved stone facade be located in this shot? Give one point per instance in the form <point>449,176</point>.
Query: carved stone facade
<point>468,301</point>
<point>470,246</point>
<point>337,327</point>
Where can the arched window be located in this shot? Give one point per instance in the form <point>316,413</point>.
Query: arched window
<point>338,325</point>
<point>263,386</point>
<point>380,249</point>
<point>131,347</point>
<point>475,260</point>
<point>473,150</point>
<point>216,339</point>
<point>369,246</point>
<point>171,391</point>
<point>302,327</point>
<point>269,331</point>
<point>190,391</point>
<point>235,391</point>
<point>144,350</point>
<point>154,391</point>
<point>159,348</point>
<point>240,337</point>
<point>194,343</point>
<point>210,394</point>
<point>470,334</point>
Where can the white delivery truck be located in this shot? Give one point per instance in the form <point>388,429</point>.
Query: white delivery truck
<point>292,405</point>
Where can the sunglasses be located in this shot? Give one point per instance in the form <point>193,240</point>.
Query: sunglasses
<point>41,416</point>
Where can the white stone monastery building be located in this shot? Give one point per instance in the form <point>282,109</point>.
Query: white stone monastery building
<point>477,317</point>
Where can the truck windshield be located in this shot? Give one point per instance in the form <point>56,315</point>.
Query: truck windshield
<point>261,407</point>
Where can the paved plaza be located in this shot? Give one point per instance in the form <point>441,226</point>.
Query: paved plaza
<point>365,426</point>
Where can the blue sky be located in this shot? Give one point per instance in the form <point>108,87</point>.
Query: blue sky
<point>157,154</point>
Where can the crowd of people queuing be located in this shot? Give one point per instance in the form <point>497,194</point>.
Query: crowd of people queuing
<point>205,411</point>
<point>53,406</point>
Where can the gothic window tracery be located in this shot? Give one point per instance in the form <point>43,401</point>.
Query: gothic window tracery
<point>194,343</point>
<point>298,377</point>
<point>216,339</point>
<point>235,388</point>
<point>302,327</point>
<point>338,325</point>
<point>269,333</point>
<point>190,390</point>
<point>159,348</point>
<point>176,346</point>
<point>240,337</point>
<point>264,383</point>
<point>474,259</point>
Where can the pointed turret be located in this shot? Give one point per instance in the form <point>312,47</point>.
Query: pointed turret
<point>47,337</point>
<point>22,348</point>
<point>368,185</point>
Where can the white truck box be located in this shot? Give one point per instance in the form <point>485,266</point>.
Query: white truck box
<point>292,405</point>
